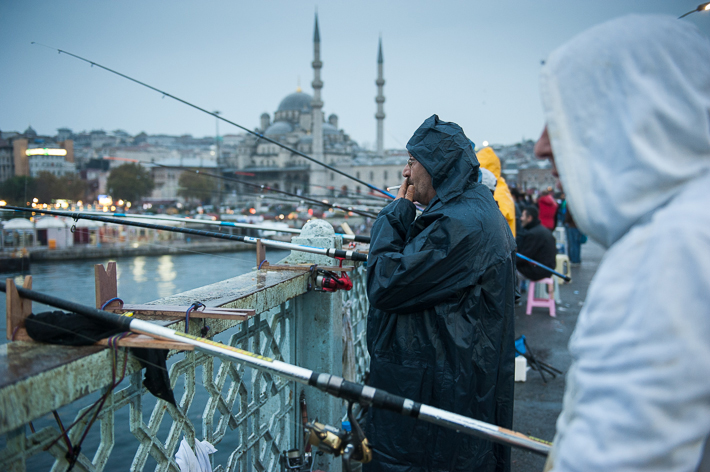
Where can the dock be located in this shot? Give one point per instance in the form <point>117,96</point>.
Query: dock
<point>538,404</point>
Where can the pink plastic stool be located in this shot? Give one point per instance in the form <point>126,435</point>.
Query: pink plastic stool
<point>542,302</point>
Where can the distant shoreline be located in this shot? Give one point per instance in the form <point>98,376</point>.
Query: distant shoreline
<point>103,251</point>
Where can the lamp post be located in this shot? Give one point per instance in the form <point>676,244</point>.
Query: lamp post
<point>701,7</point>
<point>218,198</point>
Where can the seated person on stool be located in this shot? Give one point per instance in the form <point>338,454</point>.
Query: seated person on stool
<point>536,242</point>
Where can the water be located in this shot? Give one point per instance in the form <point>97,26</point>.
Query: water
<point>140,280</point>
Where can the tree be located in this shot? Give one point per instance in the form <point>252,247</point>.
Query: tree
<point>18,190</point>
<point>197,186</point>
<point>51,187</point>
<point>129,182</point>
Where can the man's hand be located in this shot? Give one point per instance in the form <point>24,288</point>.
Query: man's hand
<point>406,191</point>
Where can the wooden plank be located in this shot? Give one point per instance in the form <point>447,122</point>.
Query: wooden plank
<point>143,341</point>
<point>106,284</point>
<point>260,253</point>
<point>16,310</point>
<point>173,312</point>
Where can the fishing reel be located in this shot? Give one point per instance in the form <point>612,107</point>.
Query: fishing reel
<point>351,445</point>
<point>328,281</point>
<point>293,461</point>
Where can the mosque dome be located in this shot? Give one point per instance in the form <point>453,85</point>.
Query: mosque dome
<point>329,129</point>
<point>297,101</point>
<point>279,127</point>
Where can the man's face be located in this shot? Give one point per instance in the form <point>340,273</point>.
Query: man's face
<point>416,175</point>
<point>543,150</point>
<point>525,218</point>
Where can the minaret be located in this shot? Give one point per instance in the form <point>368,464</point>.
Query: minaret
<point>317,104</point>
<point>380,99</point>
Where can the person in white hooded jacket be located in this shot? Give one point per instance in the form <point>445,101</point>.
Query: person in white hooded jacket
<point>627,110</point>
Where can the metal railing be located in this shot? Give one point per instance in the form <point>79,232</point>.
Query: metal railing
<point>248,415</point>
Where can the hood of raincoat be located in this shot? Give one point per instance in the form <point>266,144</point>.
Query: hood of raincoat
<point>488,159</point>
<point>627,110</point>
<point>447,154</point>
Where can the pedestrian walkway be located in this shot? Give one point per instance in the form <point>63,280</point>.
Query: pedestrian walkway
<point>538,404</point>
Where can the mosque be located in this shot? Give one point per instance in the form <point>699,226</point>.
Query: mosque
<point>299,123</point>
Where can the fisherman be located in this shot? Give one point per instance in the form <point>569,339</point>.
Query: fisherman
<point>442,296</point>
<point>489,160</point>
<point>635,166</point>
<point>537,243</point>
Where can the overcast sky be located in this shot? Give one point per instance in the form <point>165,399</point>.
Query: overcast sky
<point>475,62</point>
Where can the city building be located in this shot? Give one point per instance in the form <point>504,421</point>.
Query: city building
<point>31,154</point>
<point>7,160</point>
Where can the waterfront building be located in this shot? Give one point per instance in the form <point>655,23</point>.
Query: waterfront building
<point>28,154</point>
<point>167,179</point>
<point>7,160</point>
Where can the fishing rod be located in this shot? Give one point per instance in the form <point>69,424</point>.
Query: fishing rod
<point>334,253</point>
<point>219,117</point>
<point>542,266</point>
<point>287,196</point>
<point>228,224</point>
<point>337,253</point>
<point>330,384</point>
<point>266,187</point>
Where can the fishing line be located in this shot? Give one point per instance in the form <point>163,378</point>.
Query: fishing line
<point>217,116</point>
<point>226,224</point>
<point>163,246</point>
<point>334,253</point>
<point>266,187</point>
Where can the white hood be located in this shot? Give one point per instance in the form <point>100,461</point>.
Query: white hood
<point>628,119</point>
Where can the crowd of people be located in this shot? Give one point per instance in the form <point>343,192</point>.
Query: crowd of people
<point>635,169</point>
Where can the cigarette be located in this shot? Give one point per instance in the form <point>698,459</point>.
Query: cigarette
<point>389,189</point>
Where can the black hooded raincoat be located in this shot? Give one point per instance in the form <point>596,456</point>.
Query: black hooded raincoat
<point>440,327</point>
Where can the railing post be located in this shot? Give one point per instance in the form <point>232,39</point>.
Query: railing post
<point>319,330</point>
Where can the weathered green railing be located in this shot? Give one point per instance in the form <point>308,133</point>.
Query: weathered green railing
<point>249,416</point>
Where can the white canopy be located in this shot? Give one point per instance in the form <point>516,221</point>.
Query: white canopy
<point>88,224</point>
<point>19,223</point>
<point>50,222</point>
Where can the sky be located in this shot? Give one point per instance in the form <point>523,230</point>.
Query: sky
<point>474,62</point>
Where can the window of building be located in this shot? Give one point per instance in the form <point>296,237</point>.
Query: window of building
<point>357,174</point>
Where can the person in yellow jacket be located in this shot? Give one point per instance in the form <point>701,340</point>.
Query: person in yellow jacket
<point>488,160</point>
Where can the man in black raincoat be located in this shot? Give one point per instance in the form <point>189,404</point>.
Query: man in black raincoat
<point>442,293</point>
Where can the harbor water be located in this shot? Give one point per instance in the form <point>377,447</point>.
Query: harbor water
<point>140,279</point>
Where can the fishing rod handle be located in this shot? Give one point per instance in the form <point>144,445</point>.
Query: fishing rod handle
<point>379,398</point>
<point>121,322</point>
<point>349,255</point>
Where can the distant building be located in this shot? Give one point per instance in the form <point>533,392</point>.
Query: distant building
<point>7,160</point>
<point>537,177</point>
<point>167,178</point>
<point>32,154</point>
<point>522,169</point>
